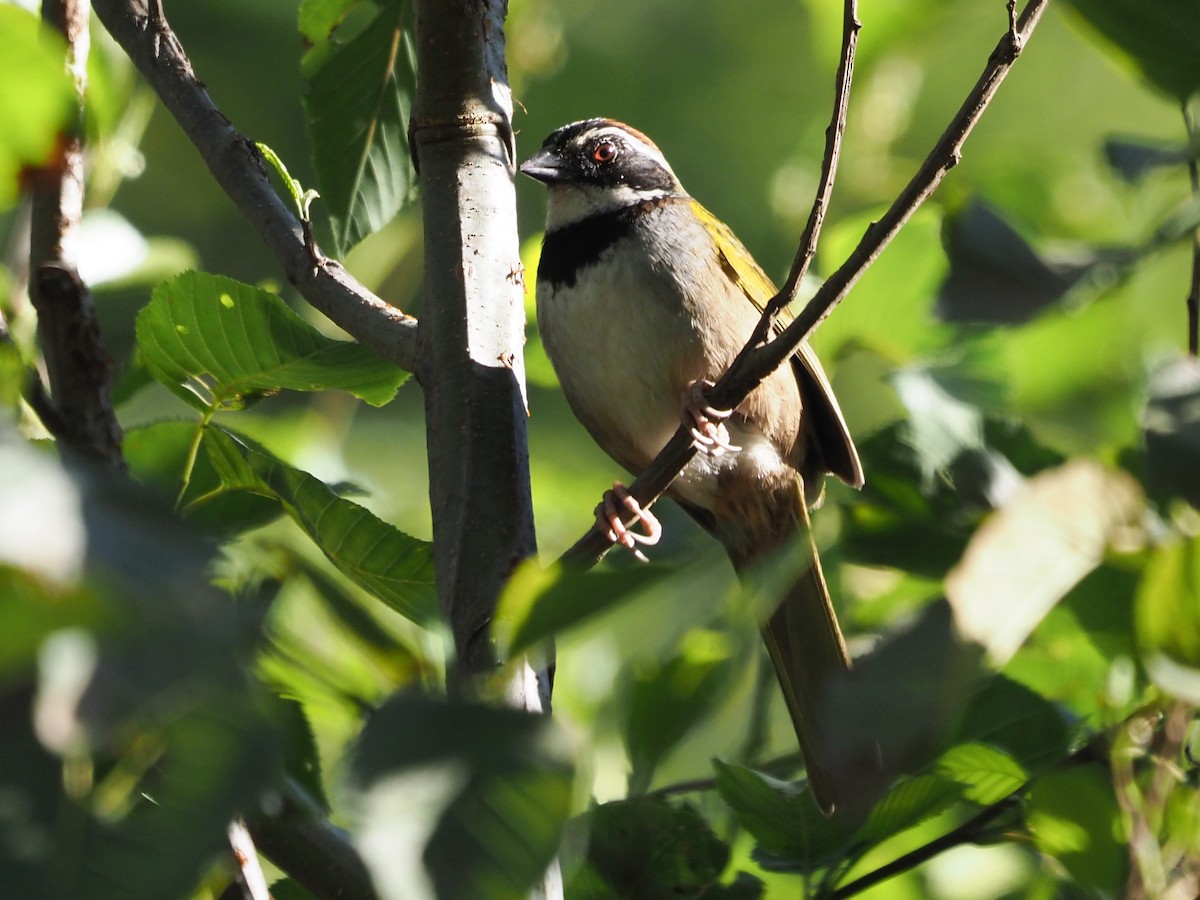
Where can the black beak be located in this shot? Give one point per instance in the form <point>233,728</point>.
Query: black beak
<point>545,166</point>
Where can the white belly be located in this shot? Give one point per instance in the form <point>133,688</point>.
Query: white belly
<point>625,349</point>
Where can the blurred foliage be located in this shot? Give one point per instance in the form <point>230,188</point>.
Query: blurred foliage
<point>249,625</point>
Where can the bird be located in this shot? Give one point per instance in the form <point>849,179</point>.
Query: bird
<point>644,298</point>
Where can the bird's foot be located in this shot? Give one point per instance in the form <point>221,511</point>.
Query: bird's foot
<point>709,434</point>
<point>610,516</point>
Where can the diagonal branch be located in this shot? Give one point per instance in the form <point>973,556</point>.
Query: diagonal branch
<point>238,168</point>
<point>750,369</point>
<point>77,409</point>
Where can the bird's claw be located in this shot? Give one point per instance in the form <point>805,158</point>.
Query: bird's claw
<point>610,517</point>
<point>709,434</point>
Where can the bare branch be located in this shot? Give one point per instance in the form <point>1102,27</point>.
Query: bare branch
<point>314,854</point>
<point>1193,298</point>
<point>77,408</point>
<point>829,164</point>
<point>237,167</point>
<point>751,368</point>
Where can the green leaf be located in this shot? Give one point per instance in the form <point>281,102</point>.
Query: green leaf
<point>1134,158</point>
<point>538,602</point>
<point>987,773</point>
<point>36,94</point>
<point>1171,427</point>
<point>317,18</point>
<point>665,701</point>
<point>907,804</point>
<point>360,90</point>
<point>1160,38</point>
<point>1074,819</point>
<point>1168,602</point>
<point>646,849</point>
<point>157,455</point>
<point>784,819</point>
<point>995,276</point>
<point>218,343</point>
<point>459,800</point>
<point>396,568</point>
<point>1011,717</point>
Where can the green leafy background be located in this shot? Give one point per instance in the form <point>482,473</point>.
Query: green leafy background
<point>319,505</point>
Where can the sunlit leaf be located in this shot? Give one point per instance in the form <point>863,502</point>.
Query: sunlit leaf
<point>459,800</point>
<point>360,91</point>
<point>157,455</point>
<point>37,96</point>
<point>986,773</point>
<point>1031,552</point>
<point>216,342</point>
<point>1168,602</point>
<point>391,565</point>
<point>1014,719</point>
<point>1073,819</point>
<point>908,803</point>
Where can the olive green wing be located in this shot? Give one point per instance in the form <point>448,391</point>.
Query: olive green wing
<point>837,447</point>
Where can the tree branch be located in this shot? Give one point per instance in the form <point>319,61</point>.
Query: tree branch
<point>752,367</point>
<point>1193,298</point>
<point>238,168</point>
<point>313,854</point>
<point>77,409</point>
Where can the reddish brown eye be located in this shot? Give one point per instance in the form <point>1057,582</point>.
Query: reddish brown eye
<point>606,151</point>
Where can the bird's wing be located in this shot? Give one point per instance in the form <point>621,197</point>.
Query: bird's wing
<point>827,422</point>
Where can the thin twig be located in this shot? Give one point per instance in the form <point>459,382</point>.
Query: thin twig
<point>807,249</point>
<point>1193,298</point>
<point>237,167</point>
<point>752,368</point>
<point>253,882</point>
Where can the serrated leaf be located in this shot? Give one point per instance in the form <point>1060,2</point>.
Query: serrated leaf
<point>1160,38</point>
<point>218,343</point>
<point>396,568</point>
<point>359,95</point>
<point>784,819</point>
<point>986,773</point>
<point>1022,723</point>
<point>645,849</point>
<point>908,803</point>
<point>459,800</point>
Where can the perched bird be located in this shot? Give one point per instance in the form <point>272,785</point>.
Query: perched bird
<point>643,300</point>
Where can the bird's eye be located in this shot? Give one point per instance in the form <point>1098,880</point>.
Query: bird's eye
<point>606,151</point>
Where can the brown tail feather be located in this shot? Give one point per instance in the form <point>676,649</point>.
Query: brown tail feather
<point>808,652</point>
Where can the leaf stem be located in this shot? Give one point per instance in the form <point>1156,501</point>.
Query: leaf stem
<point>189,463</point>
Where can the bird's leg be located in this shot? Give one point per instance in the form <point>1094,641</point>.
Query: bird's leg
<point>610,515</point>
<point>709,434</point>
